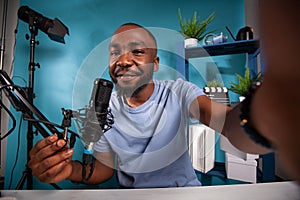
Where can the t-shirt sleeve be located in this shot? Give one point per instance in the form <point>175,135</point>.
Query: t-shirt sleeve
<point>102,145</point>
<point>191,91</point>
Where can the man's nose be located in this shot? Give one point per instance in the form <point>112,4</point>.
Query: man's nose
<point>124,60</point>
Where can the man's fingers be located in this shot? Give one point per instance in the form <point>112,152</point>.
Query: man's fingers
<point>50,162</point>
<point>48,150</point>
<point>56,173</point>
<point>42,144</point>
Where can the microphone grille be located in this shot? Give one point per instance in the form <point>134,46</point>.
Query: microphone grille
<point>104,90</point>
<point>101,94</point>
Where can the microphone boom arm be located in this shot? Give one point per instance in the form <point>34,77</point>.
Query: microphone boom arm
<point>21,103</point>
<point>17,97</point>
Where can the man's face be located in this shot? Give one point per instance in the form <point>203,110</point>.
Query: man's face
<point>132,58</point>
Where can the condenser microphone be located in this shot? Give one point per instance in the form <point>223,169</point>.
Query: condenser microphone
<point>96,123</point>
<point>99,101</point>
<point>97,113</point>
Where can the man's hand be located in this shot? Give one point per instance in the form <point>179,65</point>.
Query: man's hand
<point>50,161</point>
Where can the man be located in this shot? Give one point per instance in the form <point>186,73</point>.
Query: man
<point>149,135</point>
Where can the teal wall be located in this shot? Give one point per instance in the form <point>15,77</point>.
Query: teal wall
<point>67,71</point>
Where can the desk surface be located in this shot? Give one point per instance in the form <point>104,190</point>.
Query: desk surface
<point>272,191</point>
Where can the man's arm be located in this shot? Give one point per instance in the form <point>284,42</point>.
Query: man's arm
<point>103,169</point>
<point>275,106</point>
<point>226,121</point>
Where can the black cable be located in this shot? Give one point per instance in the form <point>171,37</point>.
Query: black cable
<point>20,77</point>
<point>21,89</point>
<point>13,121</point>
<point>17,156</point>
<point>14,86</point>
<point>9,113</point>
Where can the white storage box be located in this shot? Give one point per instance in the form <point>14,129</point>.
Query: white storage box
<point>240,169</point>
<point>202,147</point>
<point>226,146</point>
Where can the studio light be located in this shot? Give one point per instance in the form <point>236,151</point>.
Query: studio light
<point>55,29</point>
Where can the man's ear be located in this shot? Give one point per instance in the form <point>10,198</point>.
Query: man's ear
<point>156,63</point>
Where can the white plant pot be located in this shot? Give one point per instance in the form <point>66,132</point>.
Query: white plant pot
<point>190,42</point>
<point>241,98</point>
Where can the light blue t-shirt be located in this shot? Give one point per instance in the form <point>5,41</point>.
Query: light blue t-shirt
<point>150,141</point>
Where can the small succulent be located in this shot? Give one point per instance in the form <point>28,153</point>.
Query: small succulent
<point>214,83</point>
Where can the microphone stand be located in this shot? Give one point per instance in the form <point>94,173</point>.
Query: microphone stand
<point>21,103</point>
<point>27,174</point>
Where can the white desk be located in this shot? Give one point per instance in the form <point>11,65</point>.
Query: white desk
<point>272,191</point>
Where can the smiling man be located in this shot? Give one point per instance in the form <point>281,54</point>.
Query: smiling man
<point>147,143</point>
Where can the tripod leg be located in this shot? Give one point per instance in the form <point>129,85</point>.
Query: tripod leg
<point>26,176</point>
<point>22,181</point>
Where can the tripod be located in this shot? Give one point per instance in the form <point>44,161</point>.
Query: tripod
<point>27,174</point>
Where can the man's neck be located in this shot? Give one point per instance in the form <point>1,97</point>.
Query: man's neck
<point>141,96</point>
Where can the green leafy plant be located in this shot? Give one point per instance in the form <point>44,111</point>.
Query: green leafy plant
<point>243,84</point>
<point>194,28</point>
<point>214,83</point>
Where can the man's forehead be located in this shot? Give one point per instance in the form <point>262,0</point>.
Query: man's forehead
<point>118,44</point>
<point>128,27</point>
<point>130,33</point>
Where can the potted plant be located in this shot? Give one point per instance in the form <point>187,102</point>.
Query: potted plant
<point>194,29</point>
<point>243,84</point>
<point>214,83</point>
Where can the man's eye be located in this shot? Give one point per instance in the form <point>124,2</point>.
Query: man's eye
<point>114,53</point>
<point>138,52</point>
